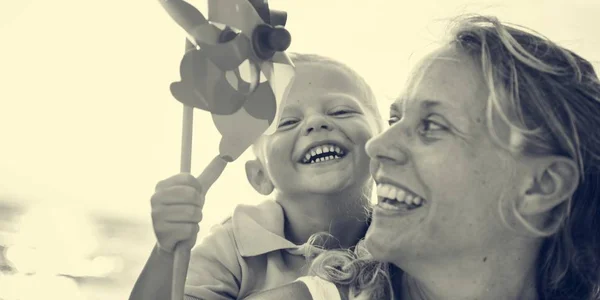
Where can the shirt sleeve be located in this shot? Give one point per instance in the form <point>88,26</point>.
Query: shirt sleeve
<point>320,289</point>
<point>214,272</point>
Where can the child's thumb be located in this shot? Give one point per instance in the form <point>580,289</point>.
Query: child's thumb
<point>211,173</point>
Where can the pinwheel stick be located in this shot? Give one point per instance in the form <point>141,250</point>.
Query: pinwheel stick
<point>207,178</point>
<point>182,250</point>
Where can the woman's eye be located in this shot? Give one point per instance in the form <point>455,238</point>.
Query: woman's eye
<point>431,126</point>
<point>392,120</point>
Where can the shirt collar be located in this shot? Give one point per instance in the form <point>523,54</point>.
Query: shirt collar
<point>258,229</point>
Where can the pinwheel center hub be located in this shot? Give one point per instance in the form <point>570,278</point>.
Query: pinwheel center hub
<point>267,39</point>
<point>227,35</point>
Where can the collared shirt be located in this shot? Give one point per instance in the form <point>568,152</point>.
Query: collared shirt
<point>243,255</point>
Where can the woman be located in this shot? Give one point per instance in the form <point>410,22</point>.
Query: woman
<point>487,178</point>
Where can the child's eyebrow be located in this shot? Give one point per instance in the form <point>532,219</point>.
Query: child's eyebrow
<point>338,95</point>
<point>290,109</point>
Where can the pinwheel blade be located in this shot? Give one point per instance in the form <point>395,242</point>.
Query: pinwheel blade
<point>280,73</point>
<point>261,104</point>
<point>239,131</point>
<point>229,55</point>
<point>203,85</point>
<point>238,14</point>
<point>192,21</point>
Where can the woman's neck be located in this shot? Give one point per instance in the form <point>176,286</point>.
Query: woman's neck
<point>505,274</point>
<point>341,215</point>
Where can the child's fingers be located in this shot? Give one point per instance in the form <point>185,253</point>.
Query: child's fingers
<point>179,179</point>
<point>180,214</point>
<point>180,194</point>
<point>170,234</point>
<point>211,173</point>
<point>202,183</point>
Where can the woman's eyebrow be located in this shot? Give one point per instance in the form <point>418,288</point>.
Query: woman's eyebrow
<point>425,104</point>
<point>429,103</point>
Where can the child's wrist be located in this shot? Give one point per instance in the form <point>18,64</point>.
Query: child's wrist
<point>163,252</point>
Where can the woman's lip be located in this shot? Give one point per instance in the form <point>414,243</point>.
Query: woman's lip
<point>379,179</point>
<point>381,210</point>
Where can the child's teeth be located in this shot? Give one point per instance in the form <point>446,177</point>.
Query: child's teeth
<point>417,201</point>
<point>307,156</point>
<point>338,150</point>
<point>409,199</point>
<point>313,153</point>
<point>331,149</point>
<point>319,151</point>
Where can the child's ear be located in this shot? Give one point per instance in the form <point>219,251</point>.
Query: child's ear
<point>554,179</point>
<point>258,177</point>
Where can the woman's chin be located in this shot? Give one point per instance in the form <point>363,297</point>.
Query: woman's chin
<point>381,244</point>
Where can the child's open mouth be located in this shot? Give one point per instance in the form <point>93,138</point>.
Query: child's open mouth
<point>323,153</point>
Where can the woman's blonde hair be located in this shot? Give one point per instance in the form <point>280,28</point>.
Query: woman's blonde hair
<point>550,99</point>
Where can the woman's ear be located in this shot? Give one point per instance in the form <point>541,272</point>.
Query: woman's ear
<point>554,179</point>
<point>258,178</point>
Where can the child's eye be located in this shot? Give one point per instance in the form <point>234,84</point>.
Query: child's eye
<point>341,112</point>
<point>287,122</point>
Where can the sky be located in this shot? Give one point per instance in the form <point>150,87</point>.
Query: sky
<point>87,121</point>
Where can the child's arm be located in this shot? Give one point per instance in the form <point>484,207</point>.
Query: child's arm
<point>294,290</point>
<point>214,271</point>
<point>176,212</point>
<point>305,288</point>
<point>155,280</point>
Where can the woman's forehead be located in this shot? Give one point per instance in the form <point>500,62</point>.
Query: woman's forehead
<point>446,77</point>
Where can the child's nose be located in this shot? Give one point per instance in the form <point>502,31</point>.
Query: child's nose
<point>317,123</point>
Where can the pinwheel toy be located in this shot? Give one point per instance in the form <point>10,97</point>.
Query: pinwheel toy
<point>236,69</point>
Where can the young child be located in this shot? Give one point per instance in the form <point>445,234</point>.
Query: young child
<point>315,166</point>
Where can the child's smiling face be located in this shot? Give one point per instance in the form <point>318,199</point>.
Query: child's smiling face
<point>319,146</point>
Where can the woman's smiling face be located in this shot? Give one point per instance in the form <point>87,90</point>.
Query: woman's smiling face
<point>438,150</point>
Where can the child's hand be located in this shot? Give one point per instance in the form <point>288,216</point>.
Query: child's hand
<point>177,205</point>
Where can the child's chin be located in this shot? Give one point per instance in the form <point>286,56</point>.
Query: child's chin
<point>328,185</point>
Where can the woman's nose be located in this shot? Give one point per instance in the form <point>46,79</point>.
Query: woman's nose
<point>386,147</point>
<point>315,123</point>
